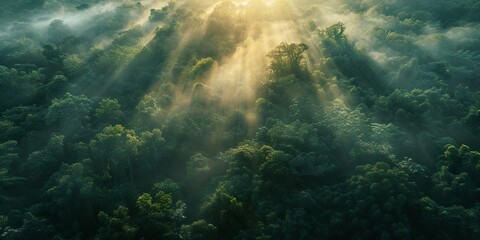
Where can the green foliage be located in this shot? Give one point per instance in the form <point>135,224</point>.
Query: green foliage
<point>276,170</point>
<point>370,153</point>
<point>155,215</point>
<point>199,230</point>
<point>8,153</point>
<point>415,107</point>
<point>9,158</point>
<point>280,94</point>
<point>201,66</point>
<point>150,111</point>
<point>56,87</point>
<point>293,138</point>
<point>288,59</point>
<point>351,62</point>
<point>69,111</point>
<point>109,111</point>
<point>160,14</point>
<point>114,150</point>
<point>117,226</point>
<point>225,29</point>
<point>225,213</point>
<point>245,156</point>
<point>72,197</point>
<point>442,222</point>
<point>335,34</point>
<point>73,65</point>
<point>32,227</point>
<point>167,186</point>
<point>457,180</point>
<point>380,196</point>
<point>110,129</point>
<point>109,60</point>
<point>40,165</point>
<point>21,87</point>
<point>348,124</point>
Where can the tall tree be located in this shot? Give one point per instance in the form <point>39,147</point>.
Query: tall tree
<point>288,59</point>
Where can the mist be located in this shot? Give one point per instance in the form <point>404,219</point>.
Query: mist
<point>251,119</point>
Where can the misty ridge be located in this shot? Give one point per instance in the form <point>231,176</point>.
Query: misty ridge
<point>244,120</point>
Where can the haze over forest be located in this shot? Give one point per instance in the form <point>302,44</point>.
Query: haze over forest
<point>245,120</point>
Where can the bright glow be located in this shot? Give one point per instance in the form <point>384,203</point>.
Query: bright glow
<point>236,75</point>
<point>235,78</point>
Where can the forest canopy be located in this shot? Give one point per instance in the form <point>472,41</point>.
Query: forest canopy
<point>244,120</point>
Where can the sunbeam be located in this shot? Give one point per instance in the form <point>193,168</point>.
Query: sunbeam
<point>240,119</point>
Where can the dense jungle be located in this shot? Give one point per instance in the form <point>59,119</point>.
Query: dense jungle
<point>244,120</point>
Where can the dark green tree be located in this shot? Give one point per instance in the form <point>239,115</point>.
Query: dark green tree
<point>70,112</point>
<point>155,216</point>
<point>109,112</point>
<point>199,230</point>
<point>225,213</point>
<point>117,226</point>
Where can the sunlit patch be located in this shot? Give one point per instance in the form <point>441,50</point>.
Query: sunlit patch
<point>232,82</point>
<point>234,79</point>
<point>238,76</point>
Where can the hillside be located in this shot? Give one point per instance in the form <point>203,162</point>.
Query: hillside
<point>252,119</point>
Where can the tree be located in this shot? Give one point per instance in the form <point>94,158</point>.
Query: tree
<point>439,222</point>
<point>349,125</point>
<point>8,154</point>
<point>114,151</point>
<point>201,67</point>
<point>8,160</point>
<point>56,87</point>
<point>278,94</point>
<point>73,198</point>
<point>226,213</point>
<point>199,230</point>
<point>199,171</point>
<point>21,87</point>
<point>32,227</point>
<point>40,165</point>
<point>54,56</point>
<point>167,186</point>
<point>109,111</point>
<point>457,180</point>
<point>70,112</point>
<point>277,174</point>
<point>243,164</point>
<point>152,155</point>
<point>57,30</point>
<point>117,226</point>
<point>293,138</point>
<point>351,62</point>
<point>375,203</point>
<point>225,29</point>
<point>335,32</point>
<point>158,14</point>
<point>155,216</point>
<point>288,59</point>
<point>149,111</point>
